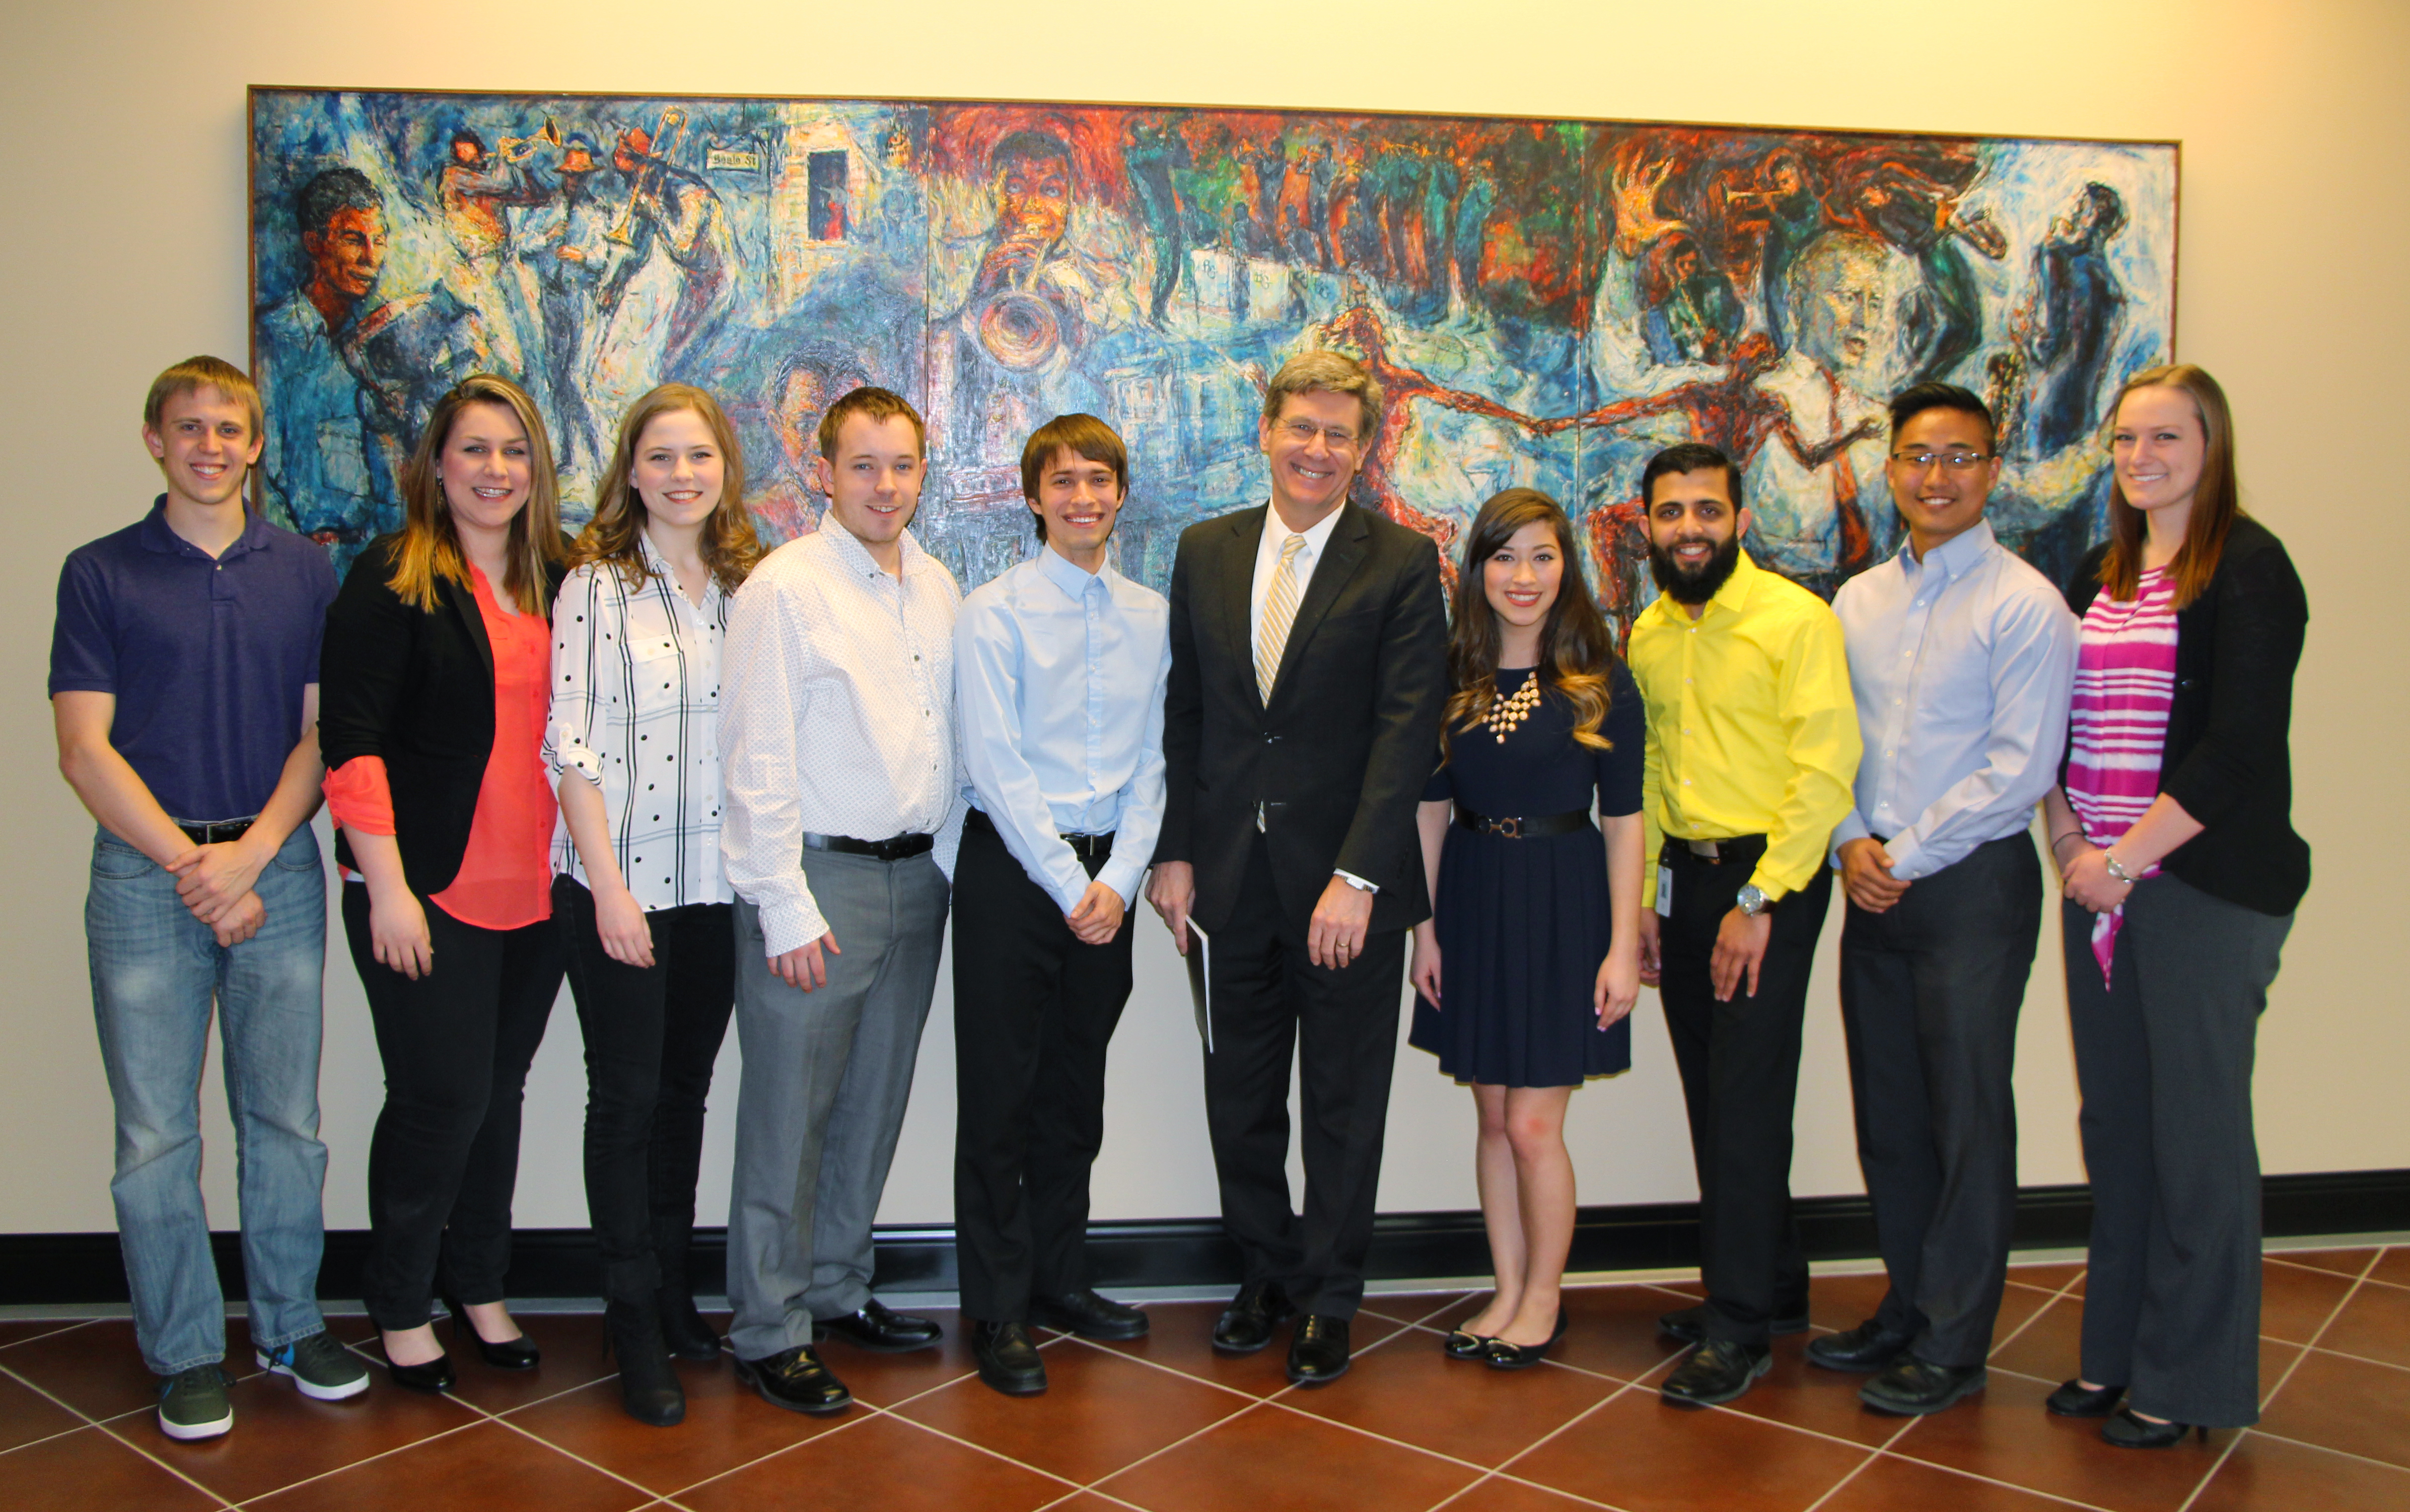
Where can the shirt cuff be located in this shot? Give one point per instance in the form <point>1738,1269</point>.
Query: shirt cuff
<point>791,924</point>
<point>1353,881</point>
<point>1122,875</point>
<point>1850,828</point>
<point>359,796</point>
<point>1906,855</point>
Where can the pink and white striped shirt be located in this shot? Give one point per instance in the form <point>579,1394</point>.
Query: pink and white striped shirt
<point>2117,726</point>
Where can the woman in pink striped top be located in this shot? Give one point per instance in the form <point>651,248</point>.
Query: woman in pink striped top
<point>2172,835</point>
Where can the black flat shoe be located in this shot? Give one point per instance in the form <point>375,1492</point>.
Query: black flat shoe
<point>1087,1315</point>
<point>1869,1346</point>
<point>509,1354</point>
<point>1318,1356</point>
<point>1912,1387</point>
<point>1504,1356</point>
<point>1246,1325</point>
<point>1008,1361</point>
<point>876,1329</point>
<point>683,1331</point>
<point>2073,1399</point>
<point>1688,1324</point>
<point>1459,1345</point>
<point>1716,1372</point>
<point>2128,1431</point>
<point>426,1376</point>
<point>796,1380</point>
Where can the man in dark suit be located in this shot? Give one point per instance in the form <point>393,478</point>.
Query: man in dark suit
<point>1308,671</point>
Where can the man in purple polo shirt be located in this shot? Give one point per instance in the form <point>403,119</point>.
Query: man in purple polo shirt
<point>184,682</point>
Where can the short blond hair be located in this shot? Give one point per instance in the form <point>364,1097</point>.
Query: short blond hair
<point>1326,372</point>
<point>199,373</point>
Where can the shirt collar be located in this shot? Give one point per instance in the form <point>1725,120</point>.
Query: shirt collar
<point>856,556</point>
<point>1734,595</point>
<point>1956,555</point>
<point>257,533</point>
<point>660,567</point>
<point>1073,579</point>
<point>1317,535</point>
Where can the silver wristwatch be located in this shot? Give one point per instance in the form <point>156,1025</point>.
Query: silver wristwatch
<point>1752,899</point>
<point>2116,868</point>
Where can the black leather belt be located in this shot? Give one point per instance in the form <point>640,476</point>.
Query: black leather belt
<point>898,848</point>
<point>217,833</point>
<point>1086,847</point>
<point>1540,827</point>
<point>1728,849</point>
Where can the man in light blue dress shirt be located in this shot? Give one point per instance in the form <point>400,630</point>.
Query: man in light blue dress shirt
<point>1962,658</point>
<point>1060,664</point>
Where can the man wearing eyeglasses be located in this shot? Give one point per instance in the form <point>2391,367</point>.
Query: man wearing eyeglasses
<point>1308,671</point>
<point>1962,658</point>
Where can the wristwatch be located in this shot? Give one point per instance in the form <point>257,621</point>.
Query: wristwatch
<point>1752,899</point>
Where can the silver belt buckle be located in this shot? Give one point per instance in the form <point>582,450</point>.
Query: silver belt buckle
<point>1704,849</point>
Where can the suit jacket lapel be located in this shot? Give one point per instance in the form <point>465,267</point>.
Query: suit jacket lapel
<point>463,599</point>
<point>1237,591</point>
<point>1340,556</point>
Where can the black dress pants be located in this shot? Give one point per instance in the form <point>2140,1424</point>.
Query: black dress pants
<point>445,1157</point>
<point>652,1035</point>
<point>1034,1011</point>
<point>1930,989</point>
<point>1272,1003</point>
<point>1740,1077</point>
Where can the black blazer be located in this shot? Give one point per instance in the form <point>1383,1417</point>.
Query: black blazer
<point>416,687</point>
<point>2228,759</point>
<point>1339,760</point>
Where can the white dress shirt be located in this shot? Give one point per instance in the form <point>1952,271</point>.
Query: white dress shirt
<point>635,709</point>
<point>1059,676</point>
<point>1962,665</point>
<point>836,717</point>
<point>1268,555</point>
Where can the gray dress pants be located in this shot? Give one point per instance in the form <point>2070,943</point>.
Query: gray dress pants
<point>827,1073</point>
<point>2163,1055</point>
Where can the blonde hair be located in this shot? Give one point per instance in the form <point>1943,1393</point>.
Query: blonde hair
<point>615,534</point>
<point>198,373</point>
<point>429,547</point>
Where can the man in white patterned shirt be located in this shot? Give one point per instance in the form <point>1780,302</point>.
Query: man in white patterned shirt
<point>843,816</point>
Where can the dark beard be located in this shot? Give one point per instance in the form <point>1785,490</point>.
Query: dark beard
<point>1693,588</point>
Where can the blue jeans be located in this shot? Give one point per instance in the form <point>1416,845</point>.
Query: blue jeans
<point>155,971</point>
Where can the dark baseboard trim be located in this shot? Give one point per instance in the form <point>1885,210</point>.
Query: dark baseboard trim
<point>75,1269</point>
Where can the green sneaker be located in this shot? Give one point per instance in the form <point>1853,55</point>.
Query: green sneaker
<point>319,1366</point>
<point>195,1404</point>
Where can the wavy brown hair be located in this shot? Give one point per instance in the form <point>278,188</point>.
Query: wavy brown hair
<point>1576,649</point>
<point>616,534</point>
<point>429,547</point>
<point>2216,501</point>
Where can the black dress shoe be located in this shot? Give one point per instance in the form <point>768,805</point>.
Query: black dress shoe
<point>2073,1399</point>
<point>796,1380</point>
<point>1504,1356</point>
<point>1912,1387</point>
<point>2128,1431</point>
<point>880,1331</point>
<point>508,1354</point>
<point>426,1376</point>
<point>648,1384</point>
<point>1716,1371</point>
<point>1246,1325</point>
<point>1088,1316</point>
<point>683,1330</point>
<point>1008,1360</point>
<point>1688,1324</point>
<point>1869,1346</point>
<point>1318,1356</point>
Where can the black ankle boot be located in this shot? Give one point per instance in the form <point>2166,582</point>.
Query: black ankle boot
<point>648,1385</point>
<point>683,1330</point>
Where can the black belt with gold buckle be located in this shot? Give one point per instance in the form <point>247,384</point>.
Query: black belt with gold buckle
<point>1540,827</point>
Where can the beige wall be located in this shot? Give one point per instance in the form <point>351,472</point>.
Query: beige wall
<point>123,183</point>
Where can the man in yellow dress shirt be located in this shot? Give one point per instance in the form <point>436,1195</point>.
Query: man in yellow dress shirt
<point>1752,745</point>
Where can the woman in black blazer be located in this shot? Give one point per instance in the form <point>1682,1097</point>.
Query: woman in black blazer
<point>433,687</point>
<point>2172,833</point>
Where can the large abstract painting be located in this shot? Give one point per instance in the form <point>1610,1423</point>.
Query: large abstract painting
<point>1547,302</point>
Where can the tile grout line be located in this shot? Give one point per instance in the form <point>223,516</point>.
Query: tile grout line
<point>2256,1432</point>
<point>1855,1471</point>
<point>1505,1472</point>
<point>869,1414</point>
<point>114,1435</point>
<point>1991,1480</point>
<point>1172,1370</point>
<point>1093,1485</point>
<point>2333,1313</point>
<point>370,1458</point>
<point>1073,1486</point>
<point>2031,1318</point>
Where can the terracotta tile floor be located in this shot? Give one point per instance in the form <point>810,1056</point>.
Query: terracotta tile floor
<point>1165,1425</point>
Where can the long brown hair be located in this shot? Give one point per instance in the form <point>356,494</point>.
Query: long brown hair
<point>2216,501</point>
<point>1576,649</point>
<point>429,547</point>
<point>615,534</point>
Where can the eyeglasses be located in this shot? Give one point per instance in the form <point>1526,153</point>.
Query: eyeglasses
<point>1954,461</point>
<point>1304,431</point>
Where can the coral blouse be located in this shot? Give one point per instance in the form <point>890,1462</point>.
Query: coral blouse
<point>505,876</point>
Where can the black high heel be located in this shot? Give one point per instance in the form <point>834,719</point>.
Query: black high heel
<point>509,1354</point>
<point>2128,1431</point>
<point>2073,1399</point>
<point>649,1384</point>
<point>426,1376</point>
<point>1504,1356</point>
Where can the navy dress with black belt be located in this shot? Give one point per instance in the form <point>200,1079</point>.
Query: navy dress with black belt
<point>1524,924</point>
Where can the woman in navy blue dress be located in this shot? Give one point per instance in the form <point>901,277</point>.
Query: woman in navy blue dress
<point>1534,932</point>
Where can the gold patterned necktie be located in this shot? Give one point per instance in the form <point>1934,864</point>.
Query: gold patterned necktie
<point>1280,611</point>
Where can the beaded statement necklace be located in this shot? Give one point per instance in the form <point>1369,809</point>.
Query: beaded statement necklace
<point>1506,715</point>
